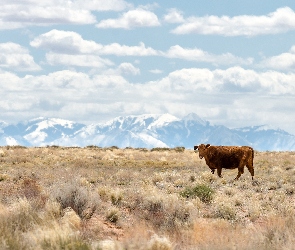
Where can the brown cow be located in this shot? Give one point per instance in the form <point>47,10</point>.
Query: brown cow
<point>230,157</point>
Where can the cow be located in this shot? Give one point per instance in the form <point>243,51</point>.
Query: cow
<point>229,157</point>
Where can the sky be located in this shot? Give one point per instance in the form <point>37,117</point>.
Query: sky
<point>231,62</point>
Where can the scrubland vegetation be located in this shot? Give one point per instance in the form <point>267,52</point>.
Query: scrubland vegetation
<point>110,198</point>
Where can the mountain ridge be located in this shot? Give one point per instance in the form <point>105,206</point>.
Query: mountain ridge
<point>147,130</point>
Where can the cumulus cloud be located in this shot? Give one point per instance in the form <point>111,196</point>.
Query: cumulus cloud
<point>15,57</point>
<point>174,16</point>
<point>18,14</point>
<point>232,80</point>
<point>77,60</point>
<point>131,19</point>
<point>279,21</point>
<point>203,56</point>
<point>124,50</point>
<point>123,69</point>
<point>284,61</point>
<point>31,13</point>
<point>128,68</point>
<point>69,42</point>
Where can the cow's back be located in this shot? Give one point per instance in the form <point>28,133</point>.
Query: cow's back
<point>229,156</point>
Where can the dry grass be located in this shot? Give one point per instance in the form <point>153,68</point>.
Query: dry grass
<point>110,198</point>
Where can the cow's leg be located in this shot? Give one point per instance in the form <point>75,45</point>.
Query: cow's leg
<point>250,167</point>
<point>250,164</point>
<point>251,170</point>
<point>219,172</point>
<point>240,171</point>
<point>212,170</point>
<point>239,174</point>
<point>241,168</point>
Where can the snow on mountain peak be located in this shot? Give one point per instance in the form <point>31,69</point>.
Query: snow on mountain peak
<point>195,117</point>
<point>42,129</point>
<point>162,120</point>
<point>45,123</point>
<point>139,121</point>
<point>265,128</point>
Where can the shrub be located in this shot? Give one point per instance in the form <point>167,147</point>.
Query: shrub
<point>116,199</point>
<point>78,197</point>
<point>159,243</point>
<point>179,149</point>
<point>30,188</point>
<point>112,148</point>
<point>160,149</point>
<point>226,212</point>
<point>92,147</point>
<point>113,215</point>
<point>202,191</point>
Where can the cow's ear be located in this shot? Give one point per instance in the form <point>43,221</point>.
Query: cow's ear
<point>196,147</point>
<point>208,145</point>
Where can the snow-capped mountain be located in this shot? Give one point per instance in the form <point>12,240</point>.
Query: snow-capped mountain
<point>142,131</point>
<point>38,132</point>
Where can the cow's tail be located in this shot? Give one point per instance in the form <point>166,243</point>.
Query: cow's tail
<point>252,171</point>
<point>252,157</point>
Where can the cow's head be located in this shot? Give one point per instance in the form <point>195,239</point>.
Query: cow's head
<point>202,148</point>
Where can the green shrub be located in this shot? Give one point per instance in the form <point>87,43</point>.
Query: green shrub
<point>203,192</point>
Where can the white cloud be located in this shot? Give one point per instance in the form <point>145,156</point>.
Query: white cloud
<point>284,61</point>
<point>15,57</point>
<point>20,14</point>
<point>77,60</point>
<point>131,19</point>
<point>128,68</point>
<point>279,21</point>
<point>68,42</point>
<point>124,50</point>
<point>123,69</point>
<point>174,16</point>
<point>203,56</point>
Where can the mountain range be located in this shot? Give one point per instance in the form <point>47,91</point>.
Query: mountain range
<point>142,131</point>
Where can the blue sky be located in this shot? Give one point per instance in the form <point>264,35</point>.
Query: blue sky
<point>231,62</point>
